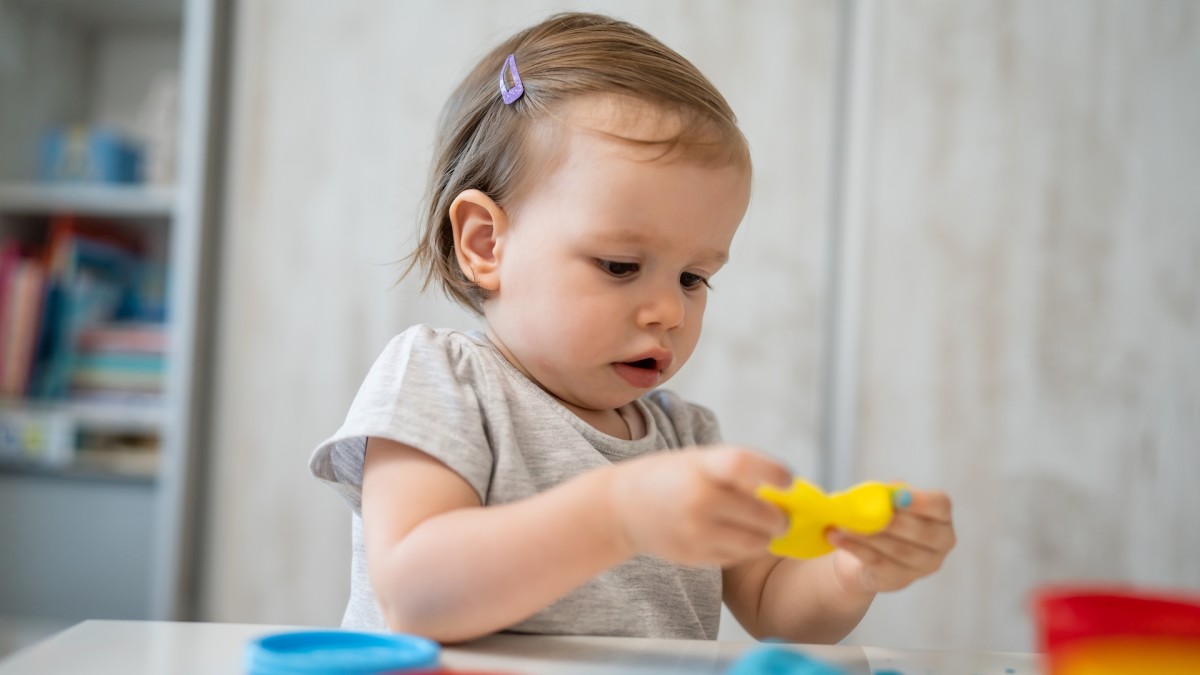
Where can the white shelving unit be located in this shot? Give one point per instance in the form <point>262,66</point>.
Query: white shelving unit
<point>77,540</point>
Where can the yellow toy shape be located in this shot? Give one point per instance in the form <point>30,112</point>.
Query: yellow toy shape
<point>865,508</point>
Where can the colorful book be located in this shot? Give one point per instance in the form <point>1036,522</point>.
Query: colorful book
<point>123,336</point>
<point>10,256</point>
<point>91,271</point>
<point>23,312</point>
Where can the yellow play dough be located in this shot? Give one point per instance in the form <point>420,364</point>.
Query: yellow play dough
<point>865,508</point>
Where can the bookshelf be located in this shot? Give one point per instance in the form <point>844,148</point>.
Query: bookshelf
<point>135,201</point>
<point>100,438</point>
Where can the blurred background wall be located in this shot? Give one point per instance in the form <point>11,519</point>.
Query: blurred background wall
<point>972,262</point>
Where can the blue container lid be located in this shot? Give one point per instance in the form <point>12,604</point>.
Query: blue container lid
<point>777,660</point>
<point>338,651</point>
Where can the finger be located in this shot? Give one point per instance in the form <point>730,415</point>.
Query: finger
<point>891,550</point>
<point>750,513</point>
<point>930,504</point>
<point>908,529</point>
<point>857,547</point>
<point>742,469</point>
<point>932,535</point>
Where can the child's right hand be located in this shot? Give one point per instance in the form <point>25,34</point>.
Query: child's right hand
<point>698,506</point>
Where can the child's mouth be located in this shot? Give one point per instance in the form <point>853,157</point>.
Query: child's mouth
<point>643,373</point>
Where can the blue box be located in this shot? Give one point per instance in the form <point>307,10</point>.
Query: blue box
<point>78,154</point>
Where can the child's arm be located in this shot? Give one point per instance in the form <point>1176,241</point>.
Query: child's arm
<point>822,600</point>
<point>444,567</point>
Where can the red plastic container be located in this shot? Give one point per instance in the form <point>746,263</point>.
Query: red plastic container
<point>1105,631</point>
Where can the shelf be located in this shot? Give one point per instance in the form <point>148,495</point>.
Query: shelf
<point>48,439</point>
<point>58,423</point>
<point>112,478</point>
<point>93,200</point>
<point>97,415</point>
<point>102,416</point>
<point>77,472</point>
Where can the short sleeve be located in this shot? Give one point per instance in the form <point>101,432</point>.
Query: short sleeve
<point>422,391</point>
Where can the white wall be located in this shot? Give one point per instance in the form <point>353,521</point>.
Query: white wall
<point>1023,298</point>
<point>1031,299</point>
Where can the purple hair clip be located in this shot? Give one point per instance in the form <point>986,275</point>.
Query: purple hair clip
<point>510,95</point>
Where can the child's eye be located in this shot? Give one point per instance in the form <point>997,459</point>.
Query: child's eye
<point>618,269</point>
<point>689,280</point>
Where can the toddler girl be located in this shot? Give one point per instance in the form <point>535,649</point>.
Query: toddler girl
<point>586,187</point>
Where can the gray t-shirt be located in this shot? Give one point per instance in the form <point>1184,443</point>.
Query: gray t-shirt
<point>453,396</point>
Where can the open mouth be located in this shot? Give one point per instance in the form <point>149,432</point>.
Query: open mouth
<point>643,373</point>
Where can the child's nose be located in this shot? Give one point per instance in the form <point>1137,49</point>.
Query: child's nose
<point>662,306</point>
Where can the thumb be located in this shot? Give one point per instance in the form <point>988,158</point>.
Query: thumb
<point>743,469</point>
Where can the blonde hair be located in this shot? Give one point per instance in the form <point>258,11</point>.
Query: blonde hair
<point>483,143</point>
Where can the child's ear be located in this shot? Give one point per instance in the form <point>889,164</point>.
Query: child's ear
<point>479,227</point>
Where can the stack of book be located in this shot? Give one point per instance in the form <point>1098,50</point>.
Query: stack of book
<point>119,359</point>
<point>83,316</point>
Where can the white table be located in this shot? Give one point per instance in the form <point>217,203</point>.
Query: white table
<point>161,647</point>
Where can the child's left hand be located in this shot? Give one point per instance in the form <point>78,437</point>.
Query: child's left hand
<point>913,546</point>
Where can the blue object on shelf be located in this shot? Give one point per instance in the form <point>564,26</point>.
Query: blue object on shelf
<point>325,652</point>
<point>775,660</point>
<point>81,155</point>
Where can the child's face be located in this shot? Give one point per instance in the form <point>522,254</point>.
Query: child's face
<point>602,269</point>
